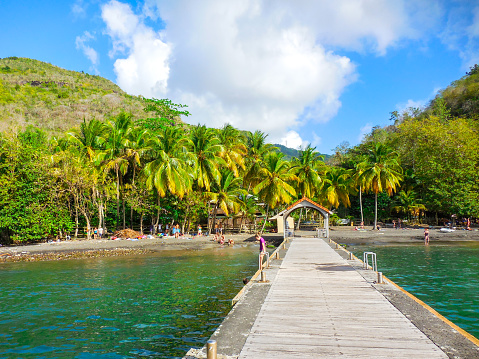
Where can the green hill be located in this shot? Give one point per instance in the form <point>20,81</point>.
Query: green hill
<point>462,96</point>
<point>36,93</point>
<point>291,152</point>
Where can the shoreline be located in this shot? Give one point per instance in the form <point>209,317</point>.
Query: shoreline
<point>349,236</point>
<point>107,248</point>
<point>74,249</point>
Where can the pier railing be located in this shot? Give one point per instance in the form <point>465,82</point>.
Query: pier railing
<point>259,272</point>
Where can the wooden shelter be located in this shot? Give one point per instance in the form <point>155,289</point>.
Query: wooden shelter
<point>307,203</point>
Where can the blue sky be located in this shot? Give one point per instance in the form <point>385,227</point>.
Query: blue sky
<point>317,72</point>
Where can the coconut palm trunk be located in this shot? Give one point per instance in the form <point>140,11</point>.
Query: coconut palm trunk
<point>361,203</point>
<point>266,218</point>
<point>375,210</point>
<point>299,219</point>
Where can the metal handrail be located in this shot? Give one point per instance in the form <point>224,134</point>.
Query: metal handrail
<point>321,232</point>
<point>374,264</point>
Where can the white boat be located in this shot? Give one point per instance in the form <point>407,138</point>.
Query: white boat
<point>447,230</point>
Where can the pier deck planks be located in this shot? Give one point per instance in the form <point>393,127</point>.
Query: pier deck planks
<point>319,306</point>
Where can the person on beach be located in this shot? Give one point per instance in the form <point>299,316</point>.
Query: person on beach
<point>100,232</point>
<point>220,229</point>
<point>231,242</point>
<point>426,236</point>
<point>95,233</point>
<point>177,231</point>
<point>262,249</point>
<point>199,230</point>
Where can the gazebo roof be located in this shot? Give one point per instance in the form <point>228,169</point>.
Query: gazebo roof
<point>312,204</point>
<point>306,203</point>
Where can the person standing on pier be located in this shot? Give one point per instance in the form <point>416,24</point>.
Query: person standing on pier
<point>262,249</point>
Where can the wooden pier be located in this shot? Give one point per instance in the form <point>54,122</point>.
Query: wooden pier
<point>319,306</point>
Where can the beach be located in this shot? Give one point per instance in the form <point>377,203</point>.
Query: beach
<point>347,235</point>
<point>57,250</point>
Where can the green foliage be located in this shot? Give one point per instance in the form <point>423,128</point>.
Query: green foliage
<point>29,206</point>
<point>444,157</point>
<point>167,112</point>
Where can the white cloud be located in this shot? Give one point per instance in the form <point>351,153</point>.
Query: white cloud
<point>461,32</point>
<point>316,140</point>
<point>89,52</point>
<point>145,70</point>
<point>366,129</point>
<point>293,140</point>
<point>78,8</point>
<point>268,65</point>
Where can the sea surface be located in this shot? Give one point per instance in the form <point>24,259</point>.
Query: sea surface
<point>445,275</point>
<point>119,307</point>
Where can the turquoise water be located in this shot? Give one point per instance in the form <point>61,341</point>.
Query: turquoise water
<point>443,275</point>
<point>120,307</point>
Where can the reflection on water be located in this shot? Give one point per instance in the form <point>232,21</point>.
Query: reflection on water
<point>122,307</point>
<point>443,275</point>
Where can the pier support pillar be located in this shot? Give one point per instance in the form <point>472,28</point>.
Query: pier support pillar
<point>380,278</point>
<point>211,349</point>
<point>350,256</point>
<point>263,276</point>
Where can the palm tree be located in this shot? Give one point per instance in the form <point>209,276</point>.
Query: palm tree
<point>274,177</point>
<point>169,169</point>
<point>249,208</point>
<point>305,167</point>
<point>87,144</point>
<point>336,186</point>
<point>381,172</point>
<point>227,194</point>
<point>138,147</point>
<point>357,175</point>
<point>257,150</point>
<point>234,149</point>
<point>205,146</point>
<point>114,157</point>
<point>89,138</point>
<point>408,203</point>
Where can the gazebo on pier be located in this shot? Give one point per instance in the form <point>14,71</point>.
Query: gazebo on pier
<point>306,203</point>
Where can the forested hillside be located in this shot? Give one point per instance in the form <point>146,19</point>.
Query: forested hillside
<point>438,150</point>
<point>148,167</point>
<point>46,96</point>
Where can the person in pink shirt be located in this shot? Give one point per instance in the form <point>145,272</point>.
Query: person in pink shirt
<point>262,249</point>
